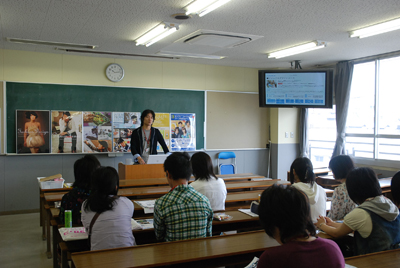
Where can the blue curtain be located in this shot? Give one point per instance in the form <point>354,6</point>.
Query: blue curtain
<point>343,77</point>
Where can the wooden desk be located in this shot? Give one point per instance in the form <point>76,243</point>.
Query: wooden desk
<point>163,180</point>
<point>161,190</point>
<point>42,210</point>
<point>131,172</point>
<point>239,221</point>
<point>383,259</point>
<point>317,172</point>
<point>201,252</point>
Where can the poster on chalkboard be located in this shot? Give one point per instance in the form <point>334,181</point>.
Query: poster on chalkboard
<point>66,132</point>
<point>183,132</point>
<point>32,132</point>
<point>123,125</point>
<point>97,132</point>
<point>161,122</point>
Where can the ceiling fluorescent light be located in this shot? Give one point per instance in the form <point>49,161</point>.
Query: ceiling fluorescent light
<point>190,55</point>
<point>297,49</point>
<point>203,7</point>
<point>377,29</point>
<point>112,53</point>
<point>46,43</point>
<point>157,33</point>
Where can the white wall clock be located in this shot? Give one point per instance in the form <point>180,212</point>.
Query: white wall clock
<point>115,72</point>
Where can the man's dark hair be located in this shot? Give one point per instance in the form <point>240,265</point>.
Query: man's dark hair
<point>105,185</point>
<point>362,184</point>
<point>288,210</point>
<point>395,187</point>
<point>304,170</point>
<point>144,114</point>
<point>178,165</point>
<point>202,166</point>
<point>180,122</point>
<point>120,140</point>
<point>28,114</point>
<point>133,116</point>
<point>83,170</point>
<point>341,165</point>
<point>67,113</point>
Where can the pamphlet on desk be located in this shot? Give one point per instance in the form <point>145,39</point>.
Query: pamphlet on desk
<point>142,224</point>
<point>147,205</point>
<point>75,233</point>
<point>248,212</point>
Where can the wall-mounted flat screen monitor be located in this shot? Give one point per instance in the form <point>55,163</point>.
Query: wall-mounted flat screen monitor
<point>296,88</point>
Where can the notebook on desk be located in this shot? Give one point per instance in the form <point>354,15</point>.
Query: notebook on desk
<point>156,159</point>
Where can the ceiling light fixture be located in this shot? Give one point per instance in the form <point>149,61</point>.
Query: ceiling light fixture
<point>47,43</point>
<point>297,49</point>
<point>203,7</point>
<point>112,53</point>
<point>377,29</point>
<point>157,33</point>
<point>189,55</point>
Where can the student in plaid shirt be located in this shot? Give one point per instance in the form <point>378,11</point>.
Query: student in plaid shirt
<point>182,213</point>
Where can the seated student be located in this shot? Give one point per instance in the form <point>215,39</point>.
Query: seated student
<point>341,165</point>
<point>375,221</point>
<point>395,188</point>
<point>83,170</point>
<point>182,213</point>
<point>302,177</point>
<point>285,216</point>
<point>112,228</point>
<point>206,182</point>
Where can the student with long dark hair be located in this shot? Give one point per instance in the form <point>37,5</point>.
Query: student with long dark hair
<point>112,228</point>
<point>341,165</point>
<point>302,177</point>
<point>83,170</point>
<point>375,221</point>
<point>285,216</point>
<point>206,182</point>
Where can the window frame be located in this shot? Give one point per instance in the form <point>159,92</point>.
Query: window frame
<point>375,136</point>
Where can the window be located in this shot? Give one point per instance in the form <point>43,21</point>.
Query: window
<point>373,121</point>
<point>321,135</point>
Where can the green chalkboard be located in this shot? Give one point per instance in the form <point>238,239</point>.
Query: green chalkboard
<point>29,96</point>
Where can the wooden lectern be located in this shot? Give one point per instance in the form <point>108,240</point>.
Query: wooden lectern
<point>148,171</point>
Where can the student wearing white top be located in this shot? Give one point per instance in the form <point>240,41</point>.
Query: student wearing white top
<point>206,182</point>
<point>112,229</point>
<point>303,178</point>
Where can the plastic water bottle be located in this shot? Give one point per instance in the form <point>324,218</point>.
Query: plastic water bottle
<point>68,218</point>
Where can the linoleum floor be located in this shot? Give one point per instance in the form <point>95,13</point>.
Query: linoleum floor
<point>21,243</point>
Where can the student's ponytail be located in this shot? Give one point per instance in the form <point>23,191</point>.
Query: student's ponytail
<point>309,176</point>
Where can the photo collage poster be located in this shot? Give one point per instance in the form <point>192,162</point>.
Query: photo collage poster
<point>66,132</point>
<point>183,132</point>
<point>56,131</point>
<point>97,132</point>
<point>162,123</point>
<point>33,134</point>
<point>124,123</point>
